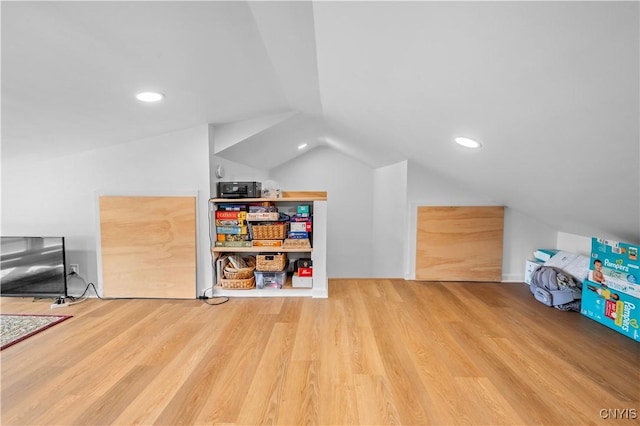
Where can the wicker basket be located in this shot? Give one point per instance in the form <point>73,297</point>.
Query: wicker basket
<point>296,243</point>
<point>273,231</point>
<point>271,262</point>
<point>232,273</point>
<point>239,284</point>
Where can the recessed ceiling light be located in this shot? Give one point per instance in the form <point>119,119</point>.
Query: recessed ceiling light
<point>303,146</point>
<point>150,96</point>
<point>469,143</point>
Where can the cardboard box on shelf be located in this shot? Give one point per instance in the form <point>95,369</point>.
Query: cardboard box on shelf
<point>255,216</point>
<point>301,282</point>
<point>297,235</point>
<point>267,243</point>
<point>231,230</point>
<point>303,210</point>
<point>231,214</point>
<point>300,227</point>
<point>305,272</point>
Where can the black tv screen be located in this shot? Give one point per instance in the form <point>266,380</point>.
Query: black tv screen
<point>32,267</point>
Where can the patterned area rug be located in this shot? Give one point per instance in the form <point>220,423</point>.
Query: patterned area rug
<point>15,328</point>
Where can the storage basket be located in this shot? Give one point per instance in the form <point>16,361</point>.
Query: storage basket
<point>232,273</point>
<point>270,279</point>
<point>271,231</point>
<point>239,284</point>
<point>271,262</point>
<point>302,243</point>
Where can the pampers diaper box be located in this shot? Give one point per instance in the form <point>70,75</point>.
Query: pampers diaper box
<point>619,260</point>
<point>614,300</point>
<point>614,309</point>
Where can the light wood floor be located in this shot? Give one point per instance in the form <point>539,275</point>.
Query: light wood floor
<point>375,352</point>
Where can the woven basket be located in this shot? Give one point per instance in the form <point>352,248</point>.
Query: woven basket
<point>275,231</point>
<point>302,243</point>
<point>240,284</point>
<point>271,262</point>
<point>232,273</point>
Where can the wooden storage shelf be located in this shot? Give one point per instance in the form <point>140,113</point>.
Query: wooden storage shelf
<point>287,290</point>
<point>265,249</point>
<point>317,251</point>
<point>287,196</point>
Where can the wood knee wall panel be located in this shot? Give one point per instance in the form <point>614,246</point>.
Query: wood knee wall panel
<point>148,246</point>
<point>459,243</point>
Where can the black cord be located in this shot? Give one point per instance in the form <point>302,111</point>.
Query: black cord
<point>204,297</point>
<point>73,298</point>
<point>94,290</point>
<point>214,304</point>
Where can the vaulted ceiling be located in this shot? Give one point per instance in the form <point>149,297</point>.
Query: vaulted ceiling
<point>551,89</point>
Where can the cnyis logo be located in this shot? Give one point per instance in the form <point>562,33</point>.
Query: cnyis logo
<point>619,413</point>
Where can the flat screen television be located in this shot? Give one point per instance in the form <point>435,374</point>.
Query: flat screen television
<point>33,267</point>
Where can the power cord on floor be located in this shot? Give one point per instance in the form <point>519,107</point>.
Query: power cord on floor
<point>204,298</point>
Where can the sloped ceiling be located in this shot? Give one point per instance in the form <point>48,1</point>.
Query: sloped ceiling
<point>551,89</point>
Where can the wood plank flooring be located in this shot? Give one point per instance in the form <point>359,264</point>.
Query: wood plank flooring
<point>376,352</point>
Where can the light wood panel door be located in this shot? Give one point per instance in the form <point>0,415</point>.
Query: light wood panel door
<point>459,243</point>
<point>148,246</point>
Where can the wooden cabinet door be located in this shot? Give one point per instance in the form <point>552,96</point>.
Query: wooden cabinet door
<point>459,243</point>
<point>148,246</point>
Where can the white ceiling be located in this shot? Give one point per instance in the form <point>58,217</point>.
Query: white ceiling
<point>551,89</point>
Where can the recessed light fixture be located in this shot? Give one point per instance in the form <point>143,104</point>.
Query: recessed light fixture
<point>150,96</point>
<point>302,146</point>
<point>468,143</point>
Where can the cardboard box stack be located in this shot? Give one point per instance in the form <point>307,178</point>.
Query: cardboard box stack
<point>611,294</point>
<point>300,227</point>
<point>303,275</point>
<point>231,226</point>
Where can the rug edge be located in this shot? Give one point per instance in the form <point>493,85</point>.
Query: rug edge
<point>20,339</point>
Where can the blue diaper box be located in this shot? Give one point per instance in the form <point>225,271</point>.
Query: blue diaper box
<point>616,310</point>
<point>619,260</point>
<point>618,284</point>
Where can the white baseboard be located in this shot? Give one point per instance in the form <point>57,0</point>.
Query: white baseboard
<point>512,278</point>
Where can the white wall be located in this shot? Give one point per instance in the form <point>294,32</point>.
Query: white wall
<point>522,236</point>
<point>58,197</point>
<point>574,243</point>
<point>390,218</point>
<point>582,244</point>
<point>362,201</point>
<point>233,172</point>
<point>227,135</point>
<point>349,186</point>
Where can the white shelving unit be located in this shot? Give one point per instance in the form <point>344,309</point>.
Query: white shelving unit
<point>317,252</point>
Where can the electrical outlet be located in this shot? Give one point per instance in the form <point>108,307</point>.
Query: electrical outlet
<point>74,268</point>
